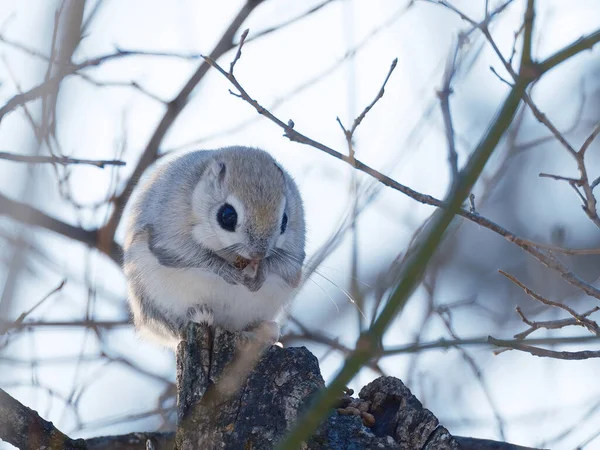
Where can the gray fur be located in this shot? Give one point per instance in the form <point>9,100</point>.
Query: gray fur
<point>164,218</point>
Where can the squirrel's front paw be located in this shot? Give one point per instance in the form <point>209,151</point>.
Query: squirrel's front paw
<point>200,314</point>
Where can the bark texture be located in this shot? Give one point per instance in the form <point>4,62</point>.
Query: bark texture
<point>26,430</point>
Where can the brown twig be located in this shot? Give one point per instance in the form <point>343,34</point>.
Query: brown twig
<point>549,324</point>
<point>542,352</point>
<point>581,319</point>
<point>321,75</point>
<point>62,160</point>
<point>30,215</point>
<point>543,119</point>
<point>74,324</point>
<point>587,197</point>
<point>444,344</point>
<point>24,314</point>
<point>444,96</point>
<point>41,89</point>
<point>593,135</point>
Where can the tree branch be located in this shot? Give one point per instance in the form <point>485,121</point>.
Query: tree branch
<point>584,43</point>
<point>25,429</point>
<point>32,216</point>
<point>542,352</point>
<point>62,160</point>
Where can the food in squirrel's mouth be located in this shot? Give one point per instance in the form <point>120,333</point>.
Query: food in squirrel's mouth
<point>248,266</point>
<point>241,262</point>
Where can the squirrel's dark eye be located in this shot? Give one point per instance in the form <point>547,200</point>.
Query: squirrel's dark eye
<point>227,217</point>
<point>284,223</point>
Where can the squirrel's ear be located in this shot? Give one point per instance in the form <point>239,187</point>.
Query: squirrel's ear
<point>285,179</point>
<point>216,171</point>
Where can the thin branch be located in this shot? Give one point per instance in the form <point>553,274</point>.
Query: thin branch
<point>584,43</point>
<point>362,115</point>
<point>74,324</point>
<point>291,21</point>
<point>582,320</point>
<point>24,314</point>
<point>587,198</point>
<point>62,160</point>
<point>593,135</point>
<point>558,177</point>
<point>542,352</point>
<point>32,216</point>
<point>444,97</point>
<point>543,119</point>
<point>549,324</point>
<point>49,84</point>
<point>393,18</point>
<point>238,55</point>
<point>443,344</point>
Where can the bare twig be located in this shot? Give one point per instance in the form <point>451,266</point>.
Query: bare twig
<point>593,135</point>
<point>239,50</point>
<point>549,324</point>
<point>291,21</point>
<point>62,160</point>
<point>442,344</point>
<point>581,319</point>
<point>587,197</point>
<point>362,115</point>
<point>321,75</point>
<point>23,315</point>
<point>41,89</point>
<point>444,97</point>
<point>30,215</point>
<point>542,352</point>
<point>558,177</point>
<point>543,119</point>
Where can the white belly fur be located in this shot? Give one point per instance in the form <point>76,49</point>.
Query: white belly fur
<point>175,290</point>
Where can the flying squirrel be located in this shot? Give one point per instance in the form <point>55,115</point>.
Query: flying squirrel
<point>217,237</point>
